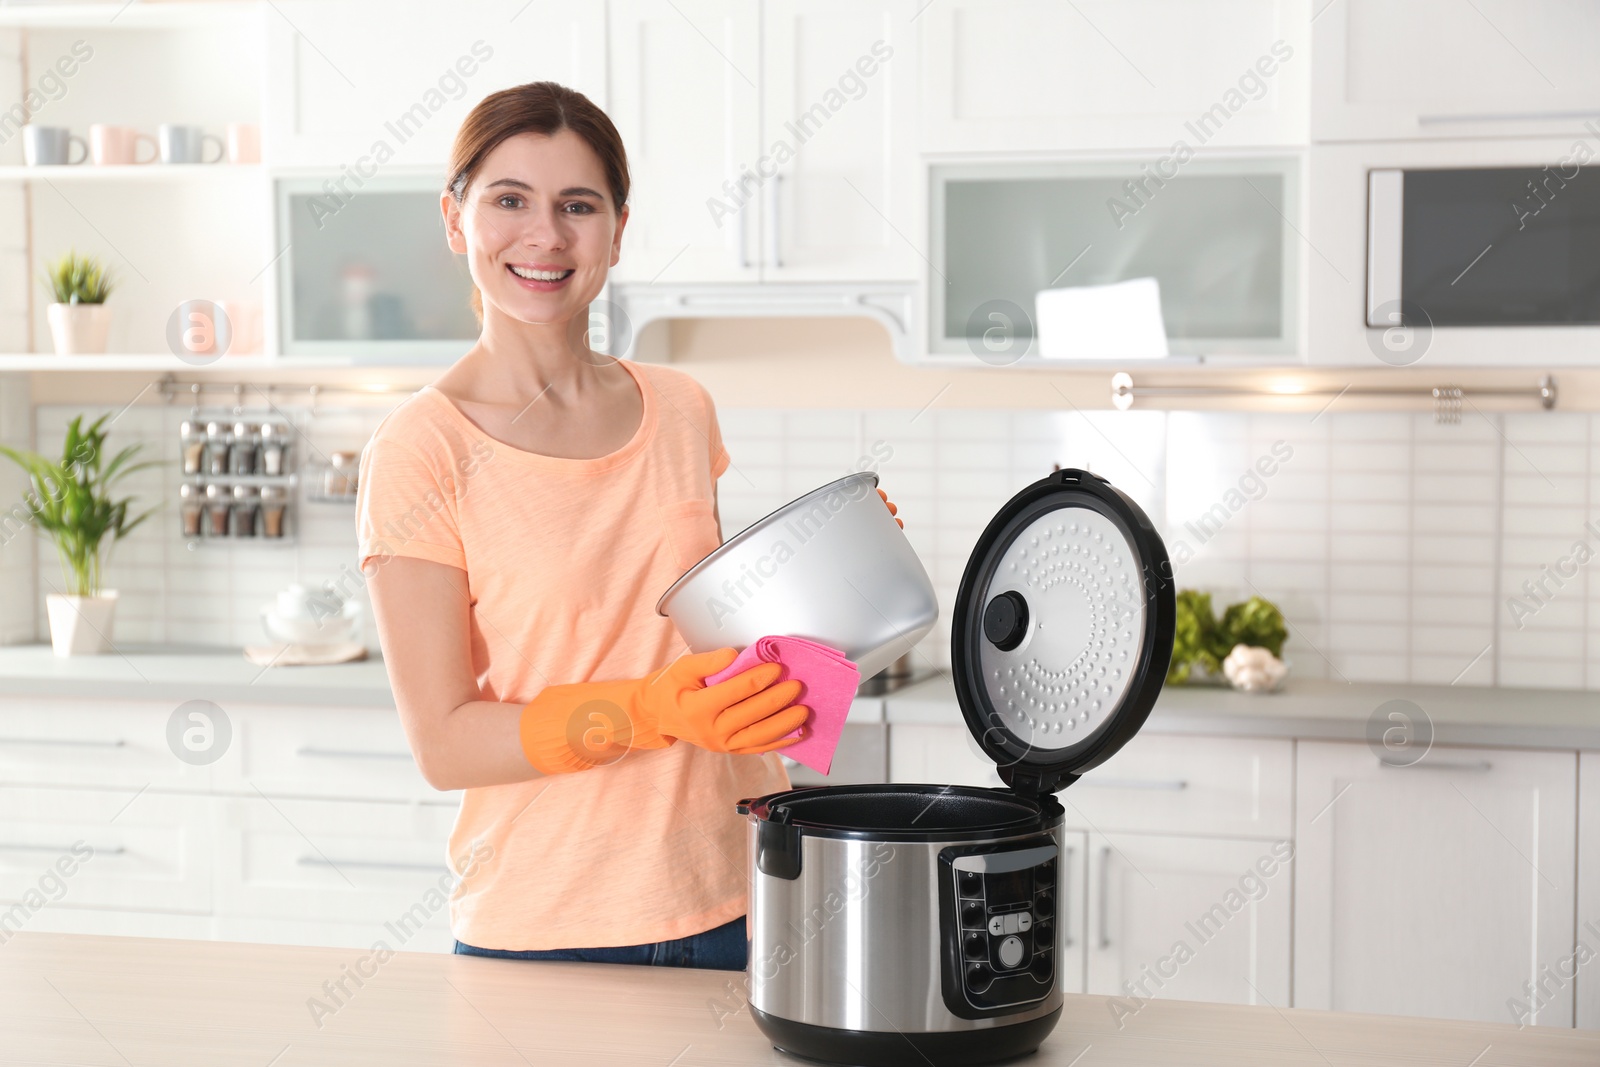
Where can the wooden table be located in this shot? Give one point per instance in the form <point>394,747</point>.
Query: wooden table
<point>67,998</point>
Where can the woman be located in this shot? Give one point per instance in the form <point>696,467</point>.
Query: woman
<point>518,520</point>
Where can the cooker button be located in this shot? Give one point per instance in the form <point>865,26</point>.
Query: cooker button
<point>975,945</point>
<point>971,883</point>
<point>1045,873</point>
<point>1041,968</point>
<point>978,977</point>
<point>1024,923</point>
<point>1010,953</point>
<point>1011,924</point>
<point>1043,935</point>
<point>997,925</point>
<point>1044,903</point>
<point>972,913</point>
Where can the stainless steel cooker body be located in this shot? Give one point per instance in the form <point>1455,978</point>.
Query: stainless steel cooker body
<point>894,944</point>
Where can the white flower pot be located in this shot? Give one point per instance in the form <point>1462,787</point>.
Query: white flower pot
<point>79,329</point>
<point>81,625</point>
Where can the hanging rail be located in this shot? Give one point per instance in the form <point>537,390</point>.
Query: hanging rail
<point>1447,399</point>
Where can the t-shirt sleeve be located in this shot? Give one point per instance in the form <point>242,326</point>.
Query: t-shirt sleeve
<point>719,455</point>
<point>402,508</point>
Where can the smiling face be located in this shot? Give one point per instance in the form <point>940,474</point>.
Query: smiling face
<point>538,227</point>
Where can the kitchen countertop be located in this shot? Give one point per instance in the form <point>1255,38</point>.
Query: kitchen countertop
<point>1306,708</point>
<point>1332,711</point>
<point>166,672</point>
<point>111,1000</point>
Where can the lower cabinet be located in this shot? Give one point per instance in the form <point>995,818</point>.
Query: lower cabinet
<point>1444,888</point>
<point>1588,977</point>
<point>1188,918</point>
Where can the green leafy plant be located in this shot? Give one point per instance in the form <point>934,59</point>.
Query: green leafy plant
<point>70,499</point>
<point>75,279</point>
<point>1202,640</point>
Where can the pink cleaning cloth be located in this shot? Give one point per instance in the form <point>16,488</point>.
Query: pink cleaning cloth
<point>828,684</point>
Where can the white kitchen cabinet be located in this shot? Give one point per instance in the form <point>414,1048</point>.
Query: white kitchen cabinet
<point>1073,907</point>
<point>1588,978</point>
<point>796,161</point>
<point>1188,918</point>
<point>1436,889</point>
<point>1173,784</point>
<point>1034,75</point>
<point>938,754</point>
<point>838,78</point>
<point>1441,68</point>
<point>351,862</point>
<point>105,848</point>
<point>356,94</point>
<point>91,743</point>
<point>685,95</point>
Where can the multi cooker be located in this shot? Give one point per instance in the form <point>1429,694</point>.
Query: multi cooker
<point>896,924</point>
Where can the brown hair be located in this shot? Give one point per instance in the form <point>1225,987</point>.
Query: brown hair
<point>537,107</point>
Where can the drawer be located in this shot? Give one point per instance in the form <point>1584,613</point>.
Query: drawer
<point>327,752</point>
<point>1164,783</point>
<point>861,758</point>
<point>60,742</point>
<point>145,850</point>
<point>1157,783</point>
<point>433,936</point>
<point>108,922</point>
<point>341,861</point>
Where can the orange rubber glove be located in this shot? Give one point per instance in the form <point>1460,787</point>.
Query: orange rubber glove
<point>589,724</point>
<point>892,509</point>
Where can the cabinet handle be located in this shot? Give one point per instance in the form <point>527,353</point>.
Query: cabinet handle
<point>69,742</point>
<point>1065,905</point>
<point>1166,785</point>
<point>740,236</point>
<point>348,753</point>
<point>386,865</point>
<point>774,231</point>
<point>19,846</point>
<point>1508,116</point>
<point>1440,765</point>
<point>1105,896</point>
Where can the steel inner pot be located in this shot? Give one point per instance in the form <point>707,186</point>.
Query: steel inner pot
<point>832,566</point>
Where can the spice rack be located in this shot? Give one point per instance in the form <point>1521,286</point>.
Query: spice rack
<point>238,481</point>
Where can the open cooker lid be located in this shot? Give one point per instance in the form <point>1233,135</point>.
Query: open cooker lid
<point>1062,630</point>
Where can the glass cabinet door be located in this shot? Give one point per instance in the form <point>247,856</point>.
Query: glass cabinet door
<point>369,274</point>
<point>1215,234</point>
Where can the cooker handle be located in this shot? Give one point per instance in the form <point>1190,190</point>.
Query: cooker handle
<point>778,845</point>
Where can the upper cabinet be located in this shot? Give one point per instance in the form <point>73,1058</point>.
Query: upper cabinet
<point>1027,75</point>
<point>354,94</point>
<point>685,94</point>
<point>1443,68</point>
<point>769,142</point>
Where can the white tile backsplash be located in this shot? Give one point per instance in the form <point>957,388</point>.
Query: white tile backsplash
<point>1395,546</point>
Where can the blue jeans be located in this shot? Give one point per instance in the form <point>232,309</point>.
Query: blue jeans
<point>724,948</point>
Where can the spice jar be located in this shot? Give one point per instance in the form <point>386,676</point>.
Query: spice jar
<point>245,498</point>
<point>217,440</point>
<point>242,459</point>
<point>219,501</point>
<point>340,479</point>
<point>190,507</point>
<point>274,501</point>
<point>193,436</point>
<point>274,447</point>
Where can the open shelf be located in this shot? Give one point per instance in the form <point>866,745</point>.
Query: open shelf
<point>122,14</point>
<point>132,172</point>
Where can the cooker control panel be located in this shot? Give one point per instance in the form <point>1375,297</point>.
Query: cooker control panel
<point>1000,926</point>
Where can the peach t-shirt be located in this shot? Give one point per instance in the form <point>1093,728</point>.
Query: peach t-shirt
<point>565,560</point>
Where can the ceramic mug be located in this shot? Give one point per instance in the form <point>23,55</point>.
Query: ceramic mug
<point>186,144</point>
<point>244,142</point>
<point>50,146</point>
<point>118,145</point>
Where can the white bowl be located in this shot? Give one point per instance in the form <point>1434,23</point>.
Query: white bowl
<point>311,630</point>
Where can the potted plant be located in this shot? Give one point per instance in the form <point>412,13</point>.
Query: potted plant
<point>79,318</point>
<point>70,500</point>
